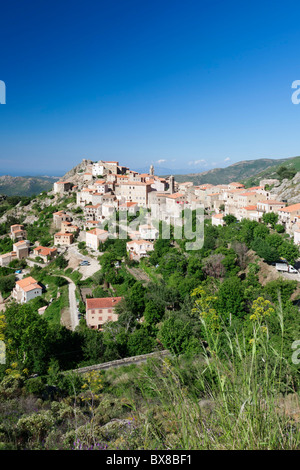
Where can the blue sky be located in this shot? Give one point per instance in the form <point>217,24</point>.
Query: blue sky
<point>182,84</point>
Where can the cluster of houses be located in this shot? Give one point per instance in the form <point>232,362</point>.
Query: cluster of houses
<point>107,188</point>
<point>27,288</point>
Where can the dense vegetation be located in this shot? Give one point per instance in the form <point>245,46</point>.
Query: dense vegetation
<point>228,328</point>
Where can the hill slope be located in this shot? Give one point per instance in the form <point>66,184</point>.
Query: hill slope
<point>271,172</point>
<point>237,172</point>
<point>25,185</point>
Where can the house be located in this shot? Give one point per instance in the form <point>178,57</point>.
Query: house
<point>249,212</point>
<point>148,232</point>
<point>108,210</point>
<point>105,167</point>
<point>183,187</point>
<point>288,215</point>
<point>94,237</point>
<point>98,168</point>
<point>297,237</point>
<point>92,212</point>
<point>134,192</point>
<point>21,249</point>
<point>7,258</point>
<point>26,289</point>
<point>235,185</point>
<point>61,187</point>
<point>17,232</point>
<point>217,219</point>
<point>87,176</point>
<point>59,217</point>
<point>89,224</point>
<point>100,311</point>
<point>61,238</point>
<point>138,249</point>
<point>247,198</point>
<point>270,206</point>
<point>101,186</point>
<point>45,253</point>
<point>130,207</point>
<point>67,227</point>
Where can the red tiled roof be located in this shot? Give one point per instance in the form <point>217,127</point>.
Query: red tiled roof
<point>27,281</point>
<point>175,195</point>
<point>60,234</point>
<point>139,242</point>
<point>102,302</point>
<point>292,208</point>
<point>97,231</point>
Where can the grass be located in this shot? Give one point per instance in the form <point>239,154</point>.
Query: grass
<point>240,400</point>
<point>239,394</point>
<point>53,311</point>
<point>150,271</point>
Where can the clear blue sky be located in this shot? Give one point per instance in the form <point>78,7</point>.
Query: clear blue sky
<point>188,84</point>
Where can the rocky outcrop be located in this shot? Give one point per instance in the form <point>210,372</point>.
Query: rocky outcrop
<point>288,190</point>
<point>75,175</point>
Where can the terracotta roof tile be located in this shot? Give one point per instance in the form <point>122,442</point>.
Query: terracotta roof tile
<point>103,302</point>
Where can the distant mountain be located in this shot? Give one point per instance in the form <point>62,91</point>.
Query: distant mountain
<point>25,185</point>
<point>271,172</point>
<point>240,171</point>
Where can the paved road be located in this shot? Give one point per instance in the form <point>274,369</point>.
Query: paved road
<point>75,257</point>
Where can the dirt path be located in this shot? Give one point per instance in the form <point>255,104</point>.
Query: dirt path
<point>138,274</point>
<point>73,314</point>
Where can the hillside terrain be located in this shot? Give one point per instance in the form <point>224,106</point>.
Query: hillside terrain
<point>239,171</point>
<point>224,313</point>
<point>272,171</point>
<point>25,185</point>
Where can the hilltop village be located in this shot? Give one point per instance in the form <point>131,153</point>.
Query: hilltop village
<point>106,313</point>
<point>104,192</point>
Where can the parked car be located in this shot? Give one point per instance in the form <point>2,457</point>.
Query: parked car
<point>292,269</point>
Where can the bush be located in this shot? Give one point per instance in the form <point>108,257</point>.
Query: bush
<point>279,228</point>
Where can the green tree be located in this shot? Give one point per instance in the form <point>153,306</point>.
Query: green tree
<point>153,312</point>
<point>270,219</point>
<point>231,298</point>
<point>230,219</point>
<point>177,336</point>
<point>140,342</point>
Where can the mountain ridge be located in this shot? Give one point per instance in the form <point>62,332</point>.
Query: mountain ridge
<point>239,171</point>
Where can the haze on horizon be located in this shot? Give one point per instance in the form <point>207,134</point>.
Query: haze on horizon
<point>183,85</point>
